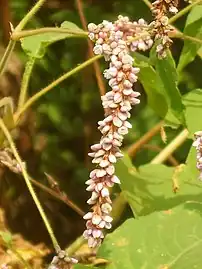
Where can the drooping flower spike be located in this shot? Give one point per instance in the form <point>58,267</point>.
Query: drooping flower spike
<point>160,26</point>
<point>112,41</point>
<point>115,41</point>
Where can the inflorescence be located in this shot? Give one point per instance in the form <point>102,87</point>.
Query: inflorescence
<point>160,25</point>
<point>198,145</point>
<point>115,41</point>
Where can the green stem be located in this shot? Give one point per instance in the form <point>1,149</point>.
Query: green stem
<point>183,11</point>
<point>174,144</point>
<point>21,34</point>
<point>35,97</point>
<point>119,205</point>
<point>75,245</point>
<point>22,260</point>
<point>25,81</point>
<point>58,196</point>
<point>29,15</point>
<point>147,3</point>
<point>6,56</point>
<point>20,26</point>
<point>29,185</point>
<point>187,37</point>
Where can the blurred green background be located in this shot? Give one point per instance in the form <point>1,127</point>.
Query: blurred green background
<point>56,133</point>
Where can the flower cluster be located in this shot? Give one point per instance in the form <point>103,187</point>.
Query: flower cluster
<point>112,41</point>
<point>198,145</point>
<point>160,25</point>
<point>62,260</point>
<point>7,159</point>
<point>110,37</point>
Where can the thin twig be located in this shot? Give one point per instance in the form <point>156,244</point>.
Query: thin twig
<point>63,199</point>
<point>188,37</point>
<point>171,159</point>
<point>147,3</point>
<point>132,150</point>
<point>22,260</point>
<point>56,82</point>
<point>29,15</point>
<point>63,196</point>
<point>29,185</point>
<point>170,148</point>
<point>75,245</point>
<point>21,34</point>
<point>96,66</point>
<point>20,26</point>
<point>183,11</point>
<point>25,81</point>
<point>6,56</point>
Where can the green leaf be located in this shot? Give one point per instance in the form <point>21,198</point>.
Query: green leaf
<point>193,28</point>
<point>190,173</point>
<point>167,81</point>
<point>148,78</point>
<point>35,46</point>
<point>193,104</point>
<point>150,188</point>
<point>157,90</point>
<point>7,237</point>
<point>162,240</point>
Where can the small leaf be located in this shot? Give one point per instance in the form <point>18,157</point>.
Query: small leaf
<point>167,81</point>
<point>7,237</point>
<point>193,28</point>
<point>35,46</point>
<point>162,240</point>
<point>193,104</point>
<point>147,77</point>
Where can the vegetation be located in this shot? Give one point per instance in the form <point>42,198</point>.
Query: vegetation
<point>55,66</point>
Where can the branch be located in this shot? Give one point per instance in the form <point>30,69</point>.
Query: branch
<point>96,66</point>
<point>20,26</point>
<point>35,97</point>
<point>174,144</point>
<point>29,185</point>
<point>21,34</point>
<point>132,150</point>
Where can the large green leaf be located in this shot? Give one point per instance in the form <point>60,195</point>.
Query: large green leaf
<point>148,78</point>
<point>161,87</point>
<point>150,188</point>
<point>193,105</point>
<point>167,81</point>
<point>163,240</point>
<point>35,46</point>
<point>193,28</point>
<point>82,266</point>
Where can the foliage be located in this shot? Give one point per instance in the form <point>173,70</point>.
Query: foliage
<point>161,228</point>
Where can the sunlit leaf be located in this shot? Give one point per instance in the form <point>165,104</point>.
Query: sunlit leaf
<point>162,240</point>
<point>193,105</point>
<point>167,81</point>
<point>149,188</point>
<point>7,237</point>
<point>193,28</point>
<point>35,46</point>
<point>148,78</point>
